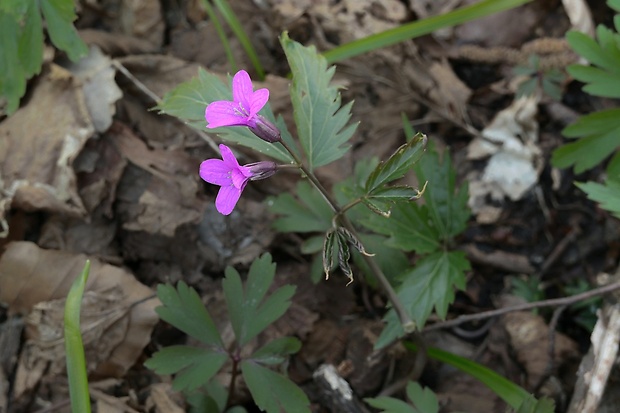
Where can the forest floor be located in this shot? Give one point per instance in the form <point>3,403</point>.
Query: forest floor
<point>120,185</point>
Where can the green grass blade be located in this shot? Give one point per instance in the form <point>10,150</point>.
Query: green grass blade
<point>235,25</point>
<point>76,361</point>
<point>508,391</point>
<point>419,28</point>
<point>221,34</point>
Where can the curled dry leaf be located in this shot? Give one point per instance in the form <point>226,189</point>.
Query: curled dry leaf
<point>38,145</point>
<point>100,90</point>
<point>117,312</point>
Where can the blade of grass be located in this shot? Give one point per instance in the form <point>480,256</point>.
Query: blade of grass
<point>419,28</point>
<point>221,34</point>
<point>76,361</point>
<point>235,25</point>
<point>508,391</point>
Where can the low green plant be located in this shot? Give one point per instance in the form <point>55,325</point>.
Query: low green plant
<point>21,41</point>
<point>596,135</point>
<point>250,310</point>
<point>74,347</point>
<point>420,401</point>
<point>536,80</point>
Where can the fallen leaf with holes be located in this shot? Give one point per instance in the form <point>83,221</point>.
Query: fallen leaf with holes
<point>38,144</point>
<point>117,311</point>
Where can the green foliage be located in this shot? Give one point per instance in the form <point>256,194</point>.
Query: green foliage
<point>320,119</point>
<point>428,230</point>
<point>251,310</point>
<point>599,132</point>
<point>74,347</point>
<point>529,288</point>
<point>305,212</point>
<point>607,194</point>
<point>189,100</point>
<point>420,28</point>
<point>547,81</point>
<point>514,395</point>
<point>21,41</point>
<point>422,401</point>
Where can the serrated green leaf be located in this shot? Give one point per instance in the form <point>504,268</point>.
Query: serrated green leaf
<point>379,207</point>
<point>313,244</point>
<point>424,400</point>
<point>183,309</point>
<point>12,79</point>
<point>447,207</point>
<point>211,397</point>
<point>189,100</point>
<point>59,16</point>
<point>344,255</point>
<point>590,150</point>
<point>272,392</point>
<point>30,43</point>
<point>597,123</point>
<point>396,193</point>
<point>399,163</point>
<point>194,366</point>
<point>431,284</point>
<point>607,195</point>
<point>588,48</point>
<point>392,261</point>
<point>249,313</point>
<point>276,351</point>
<point>409,227</point>
<point>596,80</point>
<point>393,330</point>
<point>320,119</point>
<point>308,213</point>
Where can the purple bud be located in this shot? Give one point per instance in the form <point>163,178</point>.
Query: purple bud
<point>265,130</point>
<point>261,170</point>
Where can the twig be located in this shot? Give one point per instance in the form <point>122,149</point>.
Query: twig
<point>554,302</point>
<point>148,92</point>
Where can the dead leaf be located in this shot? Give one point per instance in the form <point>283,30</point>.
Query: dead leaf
<point>117,44</point>
<point>579,15</point>
<point>143,19</point>
<point>38,145</point>
<point>529,338</point>
<point>160,399</point>
<point>100,90</point>
<point>515,160</point>
<point>118,311</point>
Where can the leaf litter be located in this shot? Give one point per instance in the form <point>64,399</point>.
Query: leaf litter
<point>118,183</point>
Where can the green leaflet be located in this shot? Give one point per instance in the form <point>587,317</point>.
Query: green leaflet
<point>273,392</point>
<point>420,401</point>
<point>249,309</point>
<point>320,119</point>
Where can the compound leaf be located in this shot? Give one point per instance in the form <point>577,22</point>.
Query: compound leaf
<point>276,351</point>
<point>320,119</point>
<point>307,213</point>
<point>183,309</point>
<point>607,195</point>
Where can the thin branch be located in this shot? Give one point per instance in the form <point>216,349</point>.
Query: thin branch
<point>554,302</point>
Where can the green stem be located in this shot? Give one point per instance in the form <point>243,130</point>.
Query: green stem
<point>406,322</point>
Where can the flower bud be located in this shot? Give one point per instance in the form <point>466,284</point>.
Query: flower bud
<point>261,170</point>
<point>265,130</point>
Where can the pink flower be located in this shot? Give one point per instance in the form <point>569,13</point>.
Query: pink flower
<point>243,109</point>
<point>232,177</point>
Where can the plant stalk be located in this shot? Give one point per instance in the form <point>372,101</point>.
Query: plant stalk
<point>407,323</point>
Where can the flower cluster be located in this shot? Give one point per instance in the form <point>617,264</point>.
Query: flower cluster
<point>241,111</point>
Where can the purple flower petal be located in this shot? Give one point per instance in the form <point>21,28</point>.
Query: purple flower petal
<point>239,179</point>
<point>227,199</point>
<point>228,157</point>
<point>216,172</point>
<point>258,100</point>
<point>224,113</point>
<point>242,89</point>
